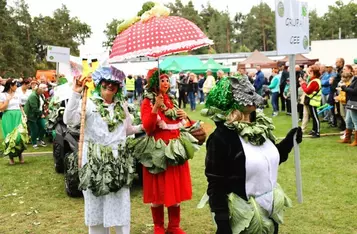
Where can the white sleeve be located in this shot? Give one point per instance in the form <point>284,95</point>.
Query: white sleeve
<point>2,97</point>
<point>128,123</point>
<point>72,113</point>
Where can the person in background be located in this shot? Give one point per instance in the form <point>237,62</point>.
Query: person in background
<point>2,83</point>
<point>251,77</point>
<point>192,90</point>
<point>139,88</point>
<point>201,81</point>
<point>43,80</point>
<point>283,77</point>
<point>351,112</point>
<point>305,108</point>
<point>326,87</point>
<point>346,77</point>
<point>241,72</point>
<point>182,85</point>
<point>13,119</point>
<point>220,75</point>
<point>313,91</point>
<point>34,84</point>
<point>300,101</point>
<point>24,91</point>
<point>340,63</point>
<point>287,96</point>
<point>35,116</point>
<point>259,81</point>
<point>209,83</point>
<point>130,88</point>
<point>173,84</point>
<point>274,87</point>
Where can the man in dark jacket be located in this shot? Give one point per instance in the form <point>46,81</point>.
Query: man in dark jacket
<point>259,81</point>
<point>35,116</point>
<point>183,89</point>
<point>139,88</point>
<point>340,63</point>
<point>284,76</point>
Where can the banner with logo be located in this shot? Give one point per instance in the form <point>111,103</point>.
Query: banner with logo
<point>292,27</point>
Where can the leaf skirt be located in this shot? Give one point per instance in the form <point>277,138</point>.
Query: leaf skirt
<point>15,133</point>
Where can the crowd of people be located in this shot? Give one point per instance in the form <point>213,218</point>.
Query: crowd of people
<point>324,93</point>
<point>24,102</point>
<point>234,102</point>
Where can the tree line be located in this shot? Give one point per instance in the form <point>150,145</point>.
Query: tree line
<point>256,29</point>
<point>23,38</point>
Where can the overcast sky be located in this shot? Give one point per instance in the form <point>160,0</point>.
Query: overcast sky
<point>98,13</point>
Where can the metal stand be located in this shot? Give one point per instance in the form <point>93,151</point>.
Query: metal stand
<point>294,116</point>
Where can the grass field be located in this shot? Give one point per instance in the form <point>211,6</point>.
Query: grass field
<point>33,200</point>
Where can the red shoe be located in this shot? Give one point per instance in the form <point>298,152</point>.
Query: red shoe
<point>158,219</point>
<point>174,221</point>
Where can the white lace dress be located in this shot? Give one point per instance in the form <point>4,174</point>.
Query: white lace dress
<point>112,209</point>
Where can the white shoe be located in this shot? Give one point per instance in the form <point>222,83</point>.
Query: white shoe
<point>35,146</point>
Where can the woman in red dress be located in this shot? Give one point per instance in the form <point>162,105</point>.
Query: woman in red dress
<point>171,184</point>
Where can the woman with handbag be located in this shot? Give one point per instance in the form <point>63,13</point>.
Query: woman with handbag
<point>313,97</point>
<point>164,153</point>
<point>351,108</point>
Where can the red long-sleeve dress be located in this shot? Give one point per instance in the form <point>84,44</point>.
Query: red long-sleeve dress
<point>173,185</point>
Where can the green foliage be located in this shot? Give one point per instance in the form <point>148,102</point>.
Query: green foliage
<point>156,155</point>
<point>24,38</point>
<point>111,32</point>
<point>256,30</point>
<point>243,49</point>
<point>104,173</point>
<point>146,7</point>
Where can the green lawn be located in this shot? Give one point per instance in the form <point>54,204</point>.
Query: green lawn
<point>32,197</point>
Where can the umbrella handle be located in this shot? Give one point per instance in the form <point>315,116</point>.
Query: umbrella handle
<point>83,121</point>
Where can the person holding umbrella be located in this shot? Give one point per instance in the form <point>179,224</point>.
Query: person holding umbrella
<point>108,123</point>
<point>164,153</point>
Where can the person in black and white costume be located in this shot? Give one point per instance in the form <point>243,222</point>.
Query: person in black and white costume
<point>242,160</point>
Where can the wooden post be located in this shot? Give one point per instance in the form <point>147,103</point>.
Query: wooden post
<point>83,121</point>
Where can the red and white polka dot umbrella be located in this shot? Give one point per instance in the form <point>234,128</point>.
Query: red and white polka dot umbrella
<point>158,37</point>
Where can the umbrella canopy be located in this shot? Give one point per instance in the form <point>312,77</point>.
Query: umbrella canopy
<point>211,65</point>
<point>187,63</point>
<point>157,37</point>
<point>173,67</point>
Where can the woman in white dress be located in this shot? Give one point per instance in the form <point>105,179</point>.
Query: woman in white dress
<point>107,168</point>
<point>13,122</point>
<point>24,91</point>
